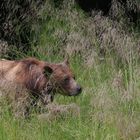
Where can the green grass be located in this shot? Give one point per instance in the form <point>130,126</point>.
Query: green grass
<point>106,114</point>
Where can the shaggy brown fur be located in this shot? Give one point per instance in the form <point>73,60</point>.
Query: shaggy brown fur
<point>40,78</point>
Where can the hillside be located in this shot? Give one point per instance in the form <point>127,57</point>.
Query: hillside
<point>104,52</point>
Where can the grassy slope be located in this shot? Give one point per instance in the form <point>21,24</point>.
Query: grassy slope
<point>110,104</point>
<point>106,113</point>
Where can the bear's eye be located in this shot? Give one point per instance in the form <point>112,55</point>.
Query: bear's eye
<point>66,80</point>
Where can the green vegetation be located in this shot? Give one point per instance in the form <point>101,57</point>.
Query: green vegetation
<point>104,56</point>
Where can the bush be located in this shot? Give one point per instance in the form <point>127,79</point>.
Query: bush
<point>17,19</point>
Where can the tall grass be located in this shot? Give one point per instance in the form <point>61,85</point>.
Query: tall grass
<point>109,109</point>
<point>104,56</point>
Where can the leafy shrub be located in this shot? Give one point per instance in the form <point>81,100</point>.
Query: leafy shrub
<point>17,19</point>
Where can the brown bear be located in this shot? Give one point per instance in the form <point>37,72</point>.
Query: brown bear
<point>42,80</point>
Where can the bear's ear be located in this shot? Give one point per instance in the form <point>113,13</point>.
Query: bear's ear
<point>66,61</point>
<point>48,71</point>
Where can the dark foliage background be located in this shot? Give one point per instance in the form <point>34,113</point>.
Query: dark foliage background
<point>17,18</point>
<point>22,20</point>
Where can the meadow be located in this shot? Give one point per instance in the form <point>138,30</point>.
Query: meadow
<point>104,55</point>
